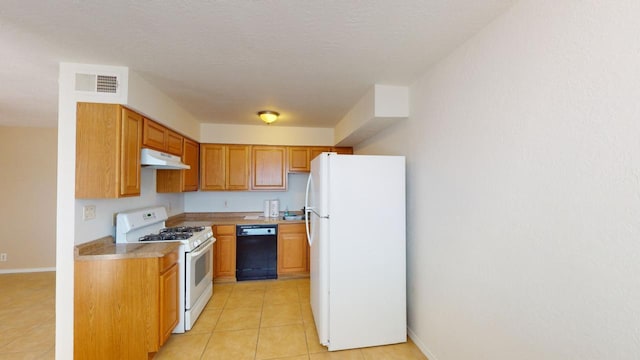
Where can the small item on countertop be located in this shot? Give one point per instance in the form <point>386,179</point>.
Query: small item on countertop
<point>267,208</point>
<point>286,211</point>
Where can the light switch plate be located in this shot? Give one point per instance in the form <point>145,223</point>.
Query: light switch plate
<point>88,212</point>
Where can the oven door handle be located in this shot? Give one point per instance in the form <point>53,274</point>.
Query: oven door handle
<point>202,248</point>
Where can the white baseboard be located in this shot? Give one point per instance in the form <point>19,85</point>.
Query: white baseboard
<point>420,345</point>
<point>15,271</point>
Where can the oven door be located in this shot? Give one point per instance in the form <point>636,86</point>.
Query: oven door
<point>199,272</point>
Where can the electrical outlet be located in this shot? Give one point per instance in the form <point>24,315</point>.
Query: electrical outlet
<point>88,212</point>
<point>3,257</point>
<point>226,203</point>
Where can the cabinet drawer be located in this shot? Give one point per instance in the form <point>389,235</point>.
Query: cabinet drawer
<point>168,260</point>
<point>225,230</point>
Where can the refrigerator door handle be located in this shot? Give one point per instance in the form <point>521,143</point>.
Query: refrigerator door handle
<point>307,211</point>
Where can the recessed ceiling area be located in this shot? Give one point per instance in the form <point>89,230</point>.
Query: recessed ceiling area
<point>223,61</point>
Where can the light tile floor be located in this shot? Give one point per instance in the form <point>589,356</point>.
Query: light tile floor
<point>245,320</point>
<point>27,315</point>
<point>265,320</point>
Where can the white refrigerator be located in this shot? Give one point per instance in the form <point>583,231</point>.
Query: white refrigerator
<point>355,207</point>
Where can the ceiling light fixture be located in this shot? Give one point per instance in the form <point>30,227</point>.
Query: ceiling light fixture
<point>268,116</point>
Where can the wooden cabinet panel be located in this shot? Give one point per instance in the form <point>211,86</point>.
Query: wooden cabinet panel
<point>212,167</point>
<point>224,167</point>
<point>191,157</point>
<point>299,159</point>
<point>159,137</point>
<point>237,167</point>
<point>154,135</point>
<point>300,156</point>
<point>174,143</point>
<point>268,170</point>
<point>292,249</point>
<point>168,302</point>
<point>168,181</point>
<point>224,252</point>
<point>124,308</point>
<point>130,159</point>
<point>315,151</point>
<point>343,150</point>
<point>108,142</point>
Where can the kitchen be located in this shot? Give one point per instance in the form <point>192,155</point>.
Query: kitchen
<point>98,128</point>
<point>521,152</point>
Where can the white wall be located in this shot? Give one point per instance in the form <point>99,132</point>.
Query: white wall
<point>28,192</point>
<point>243,201</point>
<point>523,151</point>
<point>264,134</point>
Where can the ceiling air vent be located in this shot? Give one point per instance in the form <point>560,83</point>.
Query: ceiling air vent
<point>107,84</point>
<point>97,83</point>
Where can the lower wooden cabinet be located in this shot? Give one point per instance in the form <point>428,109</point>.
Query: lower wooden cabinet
<point>124,308</point>
<point>293,249</point>
<point>224,253</point>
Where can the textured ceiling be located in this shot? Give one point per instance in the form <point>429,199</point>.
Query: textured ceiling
<point>225,60</point>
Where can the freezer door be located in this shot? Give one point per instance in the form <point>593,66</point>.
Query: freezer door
<point>320,223</point>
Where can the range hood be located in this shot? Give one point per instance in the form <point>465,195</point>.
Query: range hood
<point>158,160</point>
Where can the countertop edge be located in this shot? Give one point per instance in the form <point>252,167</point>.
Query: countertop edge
<point>105,249</point>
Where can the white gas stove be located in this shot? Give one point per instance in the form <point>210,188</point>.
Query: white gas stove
<point>195,256</point>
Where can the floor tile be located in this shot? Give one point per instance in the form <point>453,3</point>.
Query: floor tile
<point>245,299</point>
<point>338,355</point>
<point>281,341</point>
<point>237,345</point>
<point>307,313</point>
<point>313,343</point>
<point>284,314</point>
<point>281,296</point>
<point>183,346</point>
<point>238,319</point>
<point>219,299</point>
<point>405,351</point>
<point>207,321</point>
<point>36,339</point>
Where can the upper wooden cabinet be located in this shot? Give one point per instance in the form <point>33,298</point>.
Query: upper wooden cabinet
<point>181,180</point>
<point>299,159</point>
<point>224,167</point>
<point>158,137</point>
<point>108,142</point>
<point>342,150</point>
<point>268,168</point>
<point>300,156</point>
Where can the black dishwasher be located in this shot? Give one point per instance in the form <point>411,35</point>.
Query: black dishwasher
<point>256,252</point>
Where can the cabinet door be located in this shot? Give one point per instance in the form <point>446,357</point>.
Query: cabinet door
<point>237,167</point>
<point>224,252</point>
<point>154,135</point>
<point>292,249</point>
<point>131,133</point>
<point>191,157</point>
<point>343,150</point>
<point>268,168</point>
<point>174,143</point>
<point>212,167</point>
<point>315,151</point>
<point>299,159</point>
<point>168,302</point>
